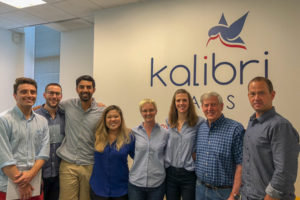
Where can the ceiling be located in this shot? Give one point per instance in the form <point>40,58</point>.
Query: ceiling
<point>61,15</point>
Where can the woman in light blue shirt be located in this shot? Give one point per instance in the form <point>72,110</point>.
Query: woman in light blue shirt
<point>183,123</point>
<point>147,175</point>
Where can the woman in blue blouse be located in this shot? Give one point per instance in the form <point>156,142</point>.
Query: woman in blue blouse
<point>183,123</point>
<point>147,175</point>
<point>109,180</point>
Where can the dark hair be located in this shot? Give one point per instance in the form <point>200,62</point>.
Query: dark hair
<point>102,131</point>
<point>266,80</point>
<point>23,80</point>
<point>192,117</point>
<point>50,84</point>
<point>109,108</point>
<point>85,78</point>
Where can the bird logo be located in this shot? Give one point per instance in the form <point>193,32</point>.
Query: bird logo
<point>228,35</point>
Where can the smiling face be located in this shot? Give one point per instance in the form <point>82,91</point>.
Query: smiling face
<point>25,95</point>
<point>260,97</point>
<point>85,90</point>
<point>113,120</point>
<point>212,109</point>
<point>182,103</point>
<point>53,96</point>
<point>148,112</point>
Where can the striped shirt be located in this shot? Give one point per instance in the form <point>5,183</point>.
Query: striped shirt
<point>22,141</point>
<point>148,169</point>
<point>181,145</point>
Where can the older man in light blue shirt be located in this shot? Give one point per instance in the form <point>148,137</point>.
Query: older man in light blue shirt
<point>24,141</point>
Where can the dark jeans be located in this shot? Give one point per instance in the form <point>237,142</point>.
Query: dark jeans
<point>51,188</point>
<point>146,193</point>
<point>180,183</point>
<point>96,197</point>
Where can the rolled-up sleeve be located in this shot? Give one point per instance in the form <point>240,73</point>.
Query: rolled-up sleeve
<point>285,151</point>
<point>6,156</point>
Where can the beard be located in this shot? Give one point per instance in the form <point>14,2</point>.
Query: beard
<point>52,105</point>
<point>85,96</point>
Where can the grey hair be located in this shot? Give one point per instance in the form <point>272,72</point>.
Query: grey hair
<point>207,95</point>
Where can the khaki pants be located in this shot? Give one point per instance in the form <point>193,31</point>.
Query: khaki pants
<point>74,181</point>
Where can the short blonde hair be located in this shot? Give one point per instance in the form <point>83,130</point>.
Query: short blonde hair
<point>144,101</point>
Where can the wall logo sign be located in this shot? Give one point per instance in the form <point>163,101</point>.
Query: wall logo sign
<point>228,35</point>
<point>205,68</point>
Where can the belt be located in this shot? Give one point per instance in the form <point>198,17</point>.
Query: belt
<point>179,170</point>
<point>215,187</point>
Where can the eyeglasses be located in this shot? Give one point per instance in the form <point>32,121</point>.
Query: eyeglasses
<point>51,93</point>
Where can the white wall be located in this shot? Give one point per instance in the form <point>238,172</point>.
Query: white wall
<point>76,58</point>
<point>29,46</point>
<point>172,32</point>
<point>11,66</point>
<point>46,59</point>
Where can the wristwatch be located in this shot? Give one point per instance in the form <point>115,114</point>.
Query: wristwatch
<point>237,196</point>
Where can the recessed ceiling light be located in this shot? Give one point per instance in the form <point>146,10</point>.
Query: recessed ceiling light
<point>23,3</point>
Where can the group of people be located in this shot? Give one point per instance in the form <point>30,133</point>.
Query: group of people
<point>82,148</point>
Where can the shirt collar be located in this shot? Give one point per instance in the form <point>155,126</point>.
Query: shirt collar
<point>58,111</point>
<point>266,115</point>
<point>141,126</point>
<point>93,104</point>
<point>21,114</point>
<point>217,122</point>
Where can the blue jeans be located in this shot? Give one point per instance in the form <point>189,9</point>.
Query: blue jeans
<point>146,193</point>
<point>204,193</point>
<point>180,183</point>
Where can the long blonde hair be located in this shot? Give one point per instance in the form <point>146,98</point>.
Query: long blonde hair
<point>192,117</point>
<point>101,134</point>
